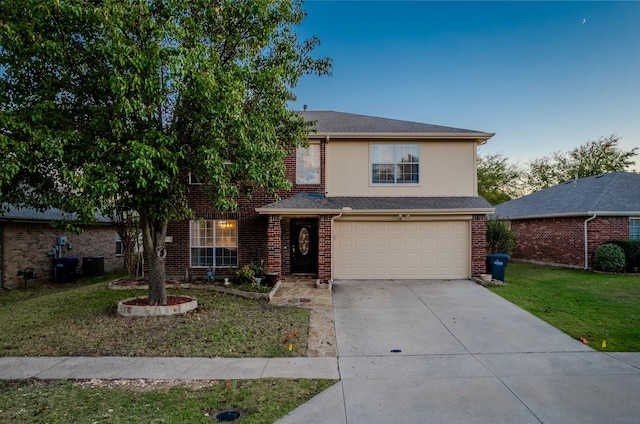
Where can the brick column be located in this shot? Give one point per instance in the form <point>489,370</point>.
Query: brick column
<point>324,248</point>
<point>274,243</point>
<point>478,244</point>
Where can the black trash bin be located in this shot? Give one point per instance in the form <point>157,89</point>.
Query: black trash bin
<point>65,269</point>
<point>496,264</point>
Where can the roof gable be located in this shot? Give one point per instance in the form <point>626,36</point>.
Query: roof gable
<point>614,193</point>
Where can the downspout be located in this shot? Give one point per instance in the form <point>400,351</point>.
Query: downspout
<point>586,241</point>
<point>333,238</point>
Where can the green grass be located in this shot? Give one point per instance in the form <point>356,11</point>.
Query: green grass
<point>580,303</point>
<point>81,320</point>
<point>260,401</point>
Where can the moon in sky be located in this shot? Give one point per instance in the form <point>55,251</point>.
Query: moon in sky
<point>584,20</point>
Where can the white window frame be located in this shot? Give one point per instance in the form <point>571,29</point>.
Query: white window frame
<point>193,180</point>
<point>394,173</point>
<point>119,245</point>
<point>214,243</point>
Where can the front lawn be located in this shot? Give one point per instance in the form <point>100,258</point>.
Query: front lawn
<point>599,307</point>
<point>81,320</point>
<point>259,401</point>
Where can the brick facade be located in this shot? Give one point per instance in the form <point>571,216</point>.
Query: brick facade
<point>324,248</point>
<point>478,244</point>
<point>561,240</point>
<point>27,245</point>
<point>268,238</point>
<point>253,229</point>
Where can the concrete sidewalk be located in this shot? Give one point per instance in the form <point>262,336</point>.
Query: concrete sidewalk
<point>115,367</point>
<point>454,352</point>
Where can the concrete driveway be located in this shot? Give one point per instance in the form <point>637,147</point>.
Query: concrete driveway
<point>454,352</point>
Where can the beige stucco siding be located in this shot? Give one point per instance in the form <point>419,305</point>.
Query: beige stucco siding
<point>447,168</point>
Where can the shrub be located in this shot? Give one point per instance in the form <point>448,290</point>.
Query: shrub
<point>500,237</point>
<point>609,258</point>
<point>631,253</point>
<point>246,275</point>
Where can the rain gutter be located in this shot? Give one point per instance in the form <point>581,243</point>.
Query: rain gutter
<point>478,137</point>
<point>586,240</point>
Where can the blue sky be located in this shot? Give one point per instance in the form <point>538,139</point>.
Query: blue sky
<point>543,76</point>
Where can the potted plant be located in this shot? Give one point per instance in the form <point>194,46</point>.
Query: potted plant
<point>271,277</point>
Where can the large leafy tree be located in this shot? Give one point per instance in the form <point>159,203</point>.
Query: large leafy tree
<point>592,158</point>
<point>498,180</point>
<point>108,105</point>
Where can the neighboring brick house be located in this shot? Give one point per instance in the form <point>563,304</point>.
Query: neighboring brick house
<point>372,198</point>
<point>566,223</point>
<point>27,239</point>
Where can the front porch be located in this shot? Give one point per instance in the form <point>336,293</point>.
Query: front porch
<point>300,245</point>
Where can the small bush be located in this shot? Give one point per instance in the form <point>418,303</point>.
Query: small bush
<point>500,237</point>
<point>609,258</point>
<point>246,275</point>
<point>631,253</point>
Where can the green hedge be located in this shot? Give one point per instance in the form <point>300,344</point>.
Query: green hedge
<point>631,253</point>
<point>609,258</point>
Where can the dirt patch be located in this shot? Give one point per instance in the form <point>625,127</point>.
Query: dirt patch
<point>143,385</point>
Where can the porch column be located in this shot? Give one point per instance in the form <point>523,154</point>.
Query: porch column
<point>324,248</point>
<point>274,244</point>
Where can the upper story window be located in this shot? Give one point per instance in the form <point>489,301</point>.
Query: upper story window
<point>308,164</point>
<point>395,164</point>
<point>193,180</point>
<point>634,228</point>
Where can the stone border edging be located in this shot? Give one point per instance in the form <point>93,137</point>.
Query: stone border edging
<point>155,310</point>
<point>220,289</point>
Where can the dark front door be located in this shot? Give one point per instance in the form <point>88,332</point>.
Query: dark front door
<point>304,246</point>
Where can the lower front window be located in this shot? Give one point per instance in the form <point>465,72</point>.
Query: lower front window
<point>214,243</point>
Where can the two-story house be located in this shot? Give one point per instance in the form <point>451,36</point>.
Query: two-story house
<point>372,198</point>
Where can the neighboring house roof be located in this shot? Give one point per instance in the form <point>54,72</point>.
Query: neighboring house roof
<point>349,125</point>
<point>318,203</point>
<point>617,193</point>
<point>11,213</point>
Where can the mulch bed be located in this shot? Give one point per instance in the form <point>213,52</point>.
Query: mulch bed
<point>171,300</point>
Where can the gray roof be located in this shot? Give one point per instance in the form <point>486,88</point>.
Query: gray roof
<point>617,193</point>
<point>12,213</point>
<point>344,123</point>
<point>311,202</point>
<point>9,212</point>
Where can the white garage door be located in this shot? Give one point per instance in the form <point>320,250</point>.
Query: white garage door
<point>402,250</point>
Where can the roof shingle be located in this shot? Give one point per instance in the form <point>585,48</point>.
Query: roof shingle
<point>305,201</point>
<point>339,122</point>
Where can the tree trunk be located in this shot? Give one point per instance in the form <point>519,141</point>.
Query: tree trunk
<point>154,233</point>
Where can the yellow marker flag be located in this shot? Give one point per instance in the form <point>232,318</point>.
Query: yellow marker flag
<point>290,347</point>
<point>604,343</point>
